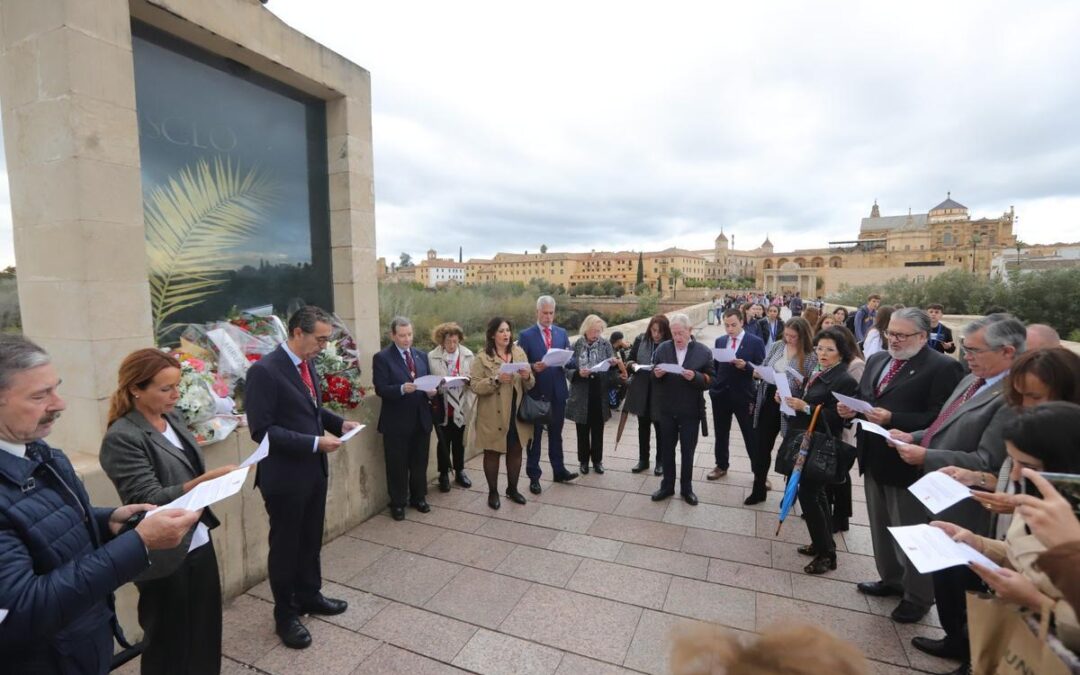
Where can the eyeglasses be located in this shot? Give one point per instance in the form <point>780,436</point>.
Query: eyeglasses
<point>975,351</point>
<point>900,337</point>
<point>322,340</point>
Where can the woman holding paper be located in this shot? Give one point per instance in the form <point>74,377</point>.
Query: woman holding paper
<point>829,376</point>
<point>451,358</point>
<point>150,457</point>
<point>588,405</point>
<point>499,387</point>
<point>639,391</point>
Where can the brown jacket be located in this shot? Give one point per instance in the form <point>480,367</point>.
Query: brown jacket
<point>493,401</point>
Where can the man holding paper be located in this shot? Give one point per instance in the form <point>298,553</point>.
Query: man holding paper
<point>283,402</point>
<point>732,391</point>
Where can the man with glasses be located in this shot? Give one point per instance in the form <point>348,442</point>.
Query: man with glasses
<point>967,433</point>
<point>907,385</point>
<point>284,402</point>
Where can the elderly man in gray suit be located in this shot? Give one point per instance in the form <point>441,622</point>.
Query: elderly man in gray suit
<point>968,434</point>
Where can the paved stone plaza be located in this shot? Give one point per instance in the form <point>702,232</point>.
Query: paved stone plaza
<point>589,577</point>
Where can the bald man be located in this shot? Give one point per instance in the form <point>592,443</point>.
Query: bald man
<point>1041,336</point>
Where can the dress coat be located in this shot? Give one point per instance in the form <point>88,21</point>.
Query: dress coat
<point>464,395</point>
<point>673,396</point>
<point>401,413</point>
<point>577,406</point>
<point>494,400</point>
<point>550,384</point>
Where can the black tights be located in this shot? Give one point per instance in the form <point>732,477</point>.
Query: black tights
<point>513,468</point>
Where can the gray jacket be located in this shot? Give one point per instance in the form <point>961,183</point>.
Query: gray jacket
<point>585,355</point>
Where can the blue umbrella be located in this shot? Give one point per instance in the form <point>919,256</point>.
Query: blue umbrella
<point>792,488</point>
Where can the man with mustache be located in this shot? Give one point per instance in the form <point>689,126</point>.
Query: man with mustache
<point>60,558</point>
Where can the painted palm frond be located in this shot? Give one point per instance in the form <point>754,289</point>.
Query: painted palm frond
<point>193,223</point>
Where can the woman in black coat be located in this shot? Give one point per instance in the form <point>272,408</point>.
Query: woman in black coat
<point>640,386</point>
<point>830,376</point>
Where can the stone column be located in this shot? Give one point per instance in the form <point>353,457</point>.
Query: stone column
<point>71,140</point>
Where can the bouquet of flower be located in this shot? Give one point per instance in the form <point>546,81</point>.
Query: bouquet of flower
<point>209,415</point>
<point>338,370</point>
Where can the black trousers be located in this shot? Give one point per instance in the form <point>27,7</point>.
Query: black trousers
<point>950,593</point>
<point>839,497</point>
<point>406,466</point>
<point>768,428</point>
<point>590,436</point>
<point>723,407</point>
<point>682,431</point>
<point>296,529</point>
<point>181,618</point>
<point>643,437</point>
<point>451,445</point>
<point>815,506</point>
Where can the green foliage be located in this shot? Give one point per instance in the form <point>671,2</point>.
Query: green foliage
<point>648,302</point>
<point>1049,297</point>
<point>640,278</point>
<point>405,260</point>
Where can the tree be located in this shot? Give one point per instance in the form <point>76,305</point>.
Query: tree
<point>675,275</point>
<point>640,271</point>
<point>543,248</point>
<point>406,260</point>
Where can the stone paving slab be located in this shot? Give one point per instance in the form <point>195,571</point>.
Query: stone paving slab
<point>590,577</point>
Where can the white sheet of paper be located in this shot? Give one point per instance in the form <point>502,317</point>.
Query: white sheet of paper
<point>428,382</point>
<point>455,381</point>
<point>670,368</point>
<point>930,549</point>
<point>765,372</point>
<point>601,367</point>
<point>3,615</point>
<point>261,452</point>
<point>725,355</point>
<point>638,366</point>
<point>201,537</point>
<point>557,358</point>
<point>513,367</point>
<point>938,491</point>
<point>877,429</point>
<point>796,374</point>
<point>858,405</point>
<point>352,432</point>
<point>783,387</point>
<point>210,492</point>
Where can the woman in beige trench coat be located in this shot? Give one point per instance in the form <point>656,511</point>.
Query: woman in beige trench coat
<point>498,394</point>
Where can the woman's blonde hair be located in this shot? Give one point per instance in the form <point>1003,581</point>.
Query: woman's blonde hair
<point>590,322</point>
<point>798,649</point>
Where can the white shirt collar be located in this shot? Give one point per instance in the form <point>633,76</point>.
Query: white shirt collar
<point>738,337</point>
<point>295,359</point>
<point>17,449</point>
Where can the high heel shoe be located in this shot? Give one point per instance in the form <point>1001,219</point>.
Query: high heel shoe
<point>821,564</point>
<point>493,500</point>
<point>807,550</point>
<point>515,496</point>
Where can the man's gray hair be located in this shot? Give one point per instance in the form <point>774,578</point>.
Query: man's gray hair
<point>916,316</point>
<point>18,354</point>
<point>1000,330</point>
<point>306,317</point>
<point>397,322</point>
<point>544,301</point>
<point>681,319</point>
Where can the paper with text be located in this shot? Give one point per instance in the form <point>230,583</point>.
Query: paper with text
<point>765,372</point>
<point>930,549</point>
<point>209,492</point>
<point>201,537</point>
<point>513,367</point>
<point>938,491</point>
<point>725,355</point>
<point>858,405</point>
<point>556,358</point>
<point>673,368</point>
<point>601,367</point>
<point>795,374</point>
<point>783,387</point>
<point>352,432</point>
<point>261,452</point>
<point>878,430</point>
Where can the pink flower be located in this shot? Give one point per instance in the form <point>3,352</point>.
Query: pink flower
<point>221,387</point>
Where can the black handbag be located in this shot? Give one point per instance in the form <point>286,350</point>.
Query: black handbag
<point>828,460</point>
<point>534,411</point>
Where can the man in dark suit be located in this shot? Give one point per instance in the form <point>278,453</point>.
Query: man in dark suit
<point>405,420</point>
<point>732,390</point>
<point>550,386</point>
<point>283,402</point>
<point>677,405</point>
<point>968,433</point>
<point>908,384</point>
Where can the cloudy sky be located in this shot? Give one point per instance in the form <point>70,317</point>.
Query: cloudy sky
<point>630,125</point>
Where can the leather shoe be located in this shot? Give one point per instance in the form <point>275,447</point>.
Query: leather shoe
<point>463,480</point>
<point>754,498</point>
<point>565,477</point>
<point>639,467</point>
<point>397,512</point>
<point>939,648</point>
<point>716,474</point>
<point>598,468</point>
<point>444,482</point>
<point>908,612</point>
<point>293,634</point>
<point>493,501</point>
<point>515,496</point>
<point>662,494</point>
<point>323,606</point>
<point>422,506</point>
<point>658,471</point>
<point>534,487</point>
<point>584,469</point>
<point>878,589</point>
<point>690,498</point>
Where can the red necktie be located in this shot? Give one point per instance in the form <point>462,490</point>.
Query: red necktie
<point>950,410</point>
<point>894,368</point>
<point>410,364</point>
<point>305,375</point>
<point>547,337</point>
<point>734,344</point>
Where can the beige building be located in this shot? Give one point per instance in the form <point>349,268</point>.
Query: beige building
<point>434,271</point>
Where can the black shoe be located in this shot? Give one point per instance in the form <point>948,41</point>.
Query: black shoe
<point>878,589</point>
<point>444,482</point>
<point>658,471</point>
<point>534,487</point>
<point>421,506</point>
<point>908,612</point>
<point>821,564</point>
<point>493,501</point>
<point>584,469</point>
<point>397,512</point>
<point>807,550</point>
<point>690,498</point>
<point>662,494</point>
<point>840,525</point>
<point>942,648</point>
<point>515,496</point>
<point>639,467</point>
<point>293,634</point>
<point>598,468</point>
<point>566,477</point>
<point>754,498</point>
<point>322,605</point>
<point>463,480</point>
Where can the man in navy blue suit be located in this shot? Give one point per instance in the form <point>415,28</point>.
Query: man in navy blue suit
<point>732,391</point>
<point>536,340</point>
<point>283,402</point>
<point>405,419</point>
